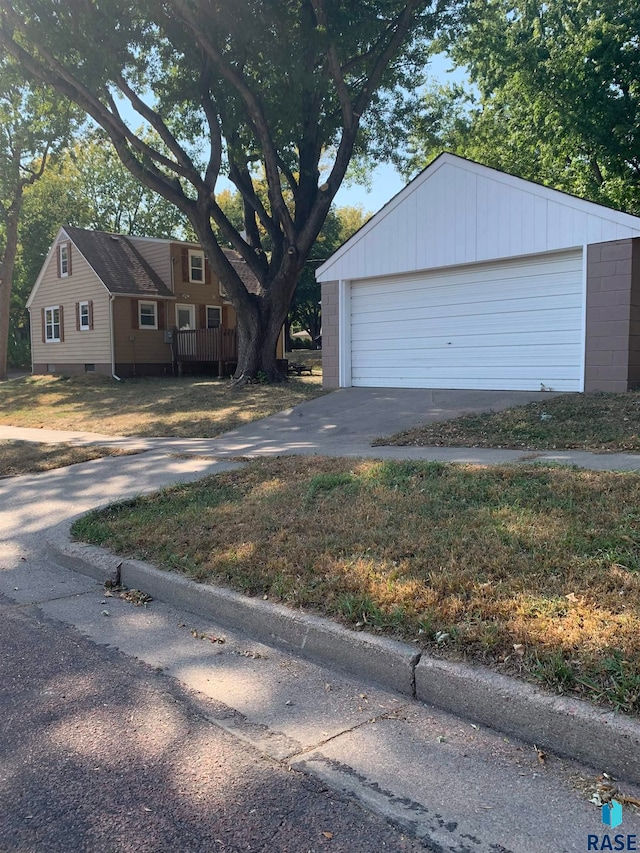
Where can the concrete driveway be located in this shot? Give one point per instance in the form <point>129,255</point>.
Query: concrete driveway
<point>348,420</point>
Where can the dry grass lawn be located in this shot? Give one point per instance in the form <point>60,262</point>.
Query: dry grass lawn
<point>534,571</point>
<point>191,407</point>
<point>22,457</point>
<point>598,422</point>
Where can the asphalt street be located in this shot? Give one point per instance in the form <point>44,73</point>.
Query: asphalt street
<point>101,753</point>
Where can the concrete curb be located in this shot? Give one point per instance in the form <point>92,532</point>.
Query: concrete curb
<point>568,727</point>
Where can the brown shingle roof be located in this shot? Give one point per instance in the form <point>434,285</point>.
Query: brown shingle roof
<point>118,264</point>
<point>242,268</point>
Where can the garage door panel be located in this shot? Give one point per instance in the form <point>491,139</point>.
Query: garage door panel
<point>513,325</point>
<point>487,383</point>
<point>507,339</point>
<point>471,306</point>
<point>560,355</point>
<point>464,327</point>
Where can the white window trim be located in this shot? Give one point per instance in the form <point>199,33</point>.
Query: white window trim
<point>64,247</point>
<point>217,308</point>
<point>84,327</point>
<point>142,325</point>
<point>194,253</point>
<point>192,314</point>
<point>47,324</point>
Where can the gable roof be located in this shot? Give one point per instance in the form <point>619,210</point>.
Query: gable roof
<point>457,211</point>
<point>117,263</point>
<point>243,270</point>
<point>123,270</point>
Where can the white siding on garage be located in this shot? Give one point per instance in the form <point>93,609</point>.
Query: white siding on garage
<point>514,324</point>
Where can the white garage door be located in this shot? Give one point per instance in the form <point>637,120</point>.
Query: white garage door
<point>508,325</point>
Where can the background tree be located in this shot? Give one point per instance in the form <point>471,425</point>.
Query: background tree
<point>34,123</point>
<point>241,87</point>
<point>554,96</point>
<point>340,224</point>
<point>116,200</point>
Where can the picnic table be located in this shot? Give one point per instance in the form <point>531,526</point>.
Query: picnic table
<point>298,368</point>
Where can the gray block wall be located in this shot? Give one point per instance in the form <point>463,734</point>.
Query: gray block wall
<point>330,336</point>
<point>612,354</point>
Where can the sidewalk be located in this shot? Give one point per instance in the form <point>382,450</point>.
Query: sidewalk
<point>265,438</point>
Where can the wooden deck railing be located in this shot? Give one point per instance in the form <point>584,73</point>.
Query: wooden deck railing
<point>206,345</point>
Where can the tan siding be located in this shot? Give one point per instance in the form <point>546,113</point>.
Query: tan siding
<point>91,346</point>
<point>193,293</point>
<point>157,255</point>
<point>147,346</point>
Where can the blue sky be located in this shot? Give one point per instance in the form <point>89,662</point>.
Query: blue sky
<point>386,181</point>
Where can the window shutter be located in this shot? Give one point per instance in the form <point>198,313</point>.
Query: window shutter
<point>69,258</point>
<point>91,314</point>
<point>61,324</point>
<point>207,272</point>
<point>58,260</point>
<point>44,329</point>
<point>135,323</point>
<point>185,264</point>
<point>161,313</point>
<point>77,316</point>
<point>202,316</point>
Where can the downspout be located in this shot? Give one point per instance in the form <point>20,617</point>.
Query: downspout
<point>112,339</point>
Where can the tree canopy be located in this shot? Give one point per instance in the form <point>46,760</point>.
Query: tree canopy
<point>554,96</point>
<point>235,88</point>
<point>34,123</point>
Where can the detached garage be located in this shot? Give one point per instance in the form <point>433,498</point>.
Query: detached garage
<point>471,278</point>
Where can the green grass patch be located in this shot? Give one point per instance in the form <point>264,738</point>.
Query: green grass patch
<point>534,571</point>
<point>598,422</point>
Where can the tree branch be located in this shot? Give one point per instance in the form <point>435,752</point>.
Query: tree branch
<point>255,111</point>
<point>333,61</point>
<point>245,187</point>
<point>157,124</point>
<point>215,134</point>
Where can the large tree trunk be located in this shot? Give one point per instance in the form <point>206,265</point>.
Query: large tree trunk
<point>6,282</point>
<point>258,333</point>
<point>259,326</point>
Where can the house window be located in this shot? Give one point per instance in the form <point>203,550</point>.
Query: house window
<point>84,316</point>
<point>52,325</point>
<point>89,368</point>
<point>186,316</point>
<point>196,266</point>
<point>147,315</point>
<point>214,317</point>
<point>64,260</point>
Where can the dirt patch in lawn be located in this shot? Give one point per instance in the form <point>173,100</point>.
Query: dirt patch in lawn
<point>598,422</point>
<point>534,571</point>
<point>23,457</point>
<point>185,408</point>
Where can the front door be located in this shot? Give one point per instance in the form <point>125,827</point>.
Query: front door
<point>186,316</point>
